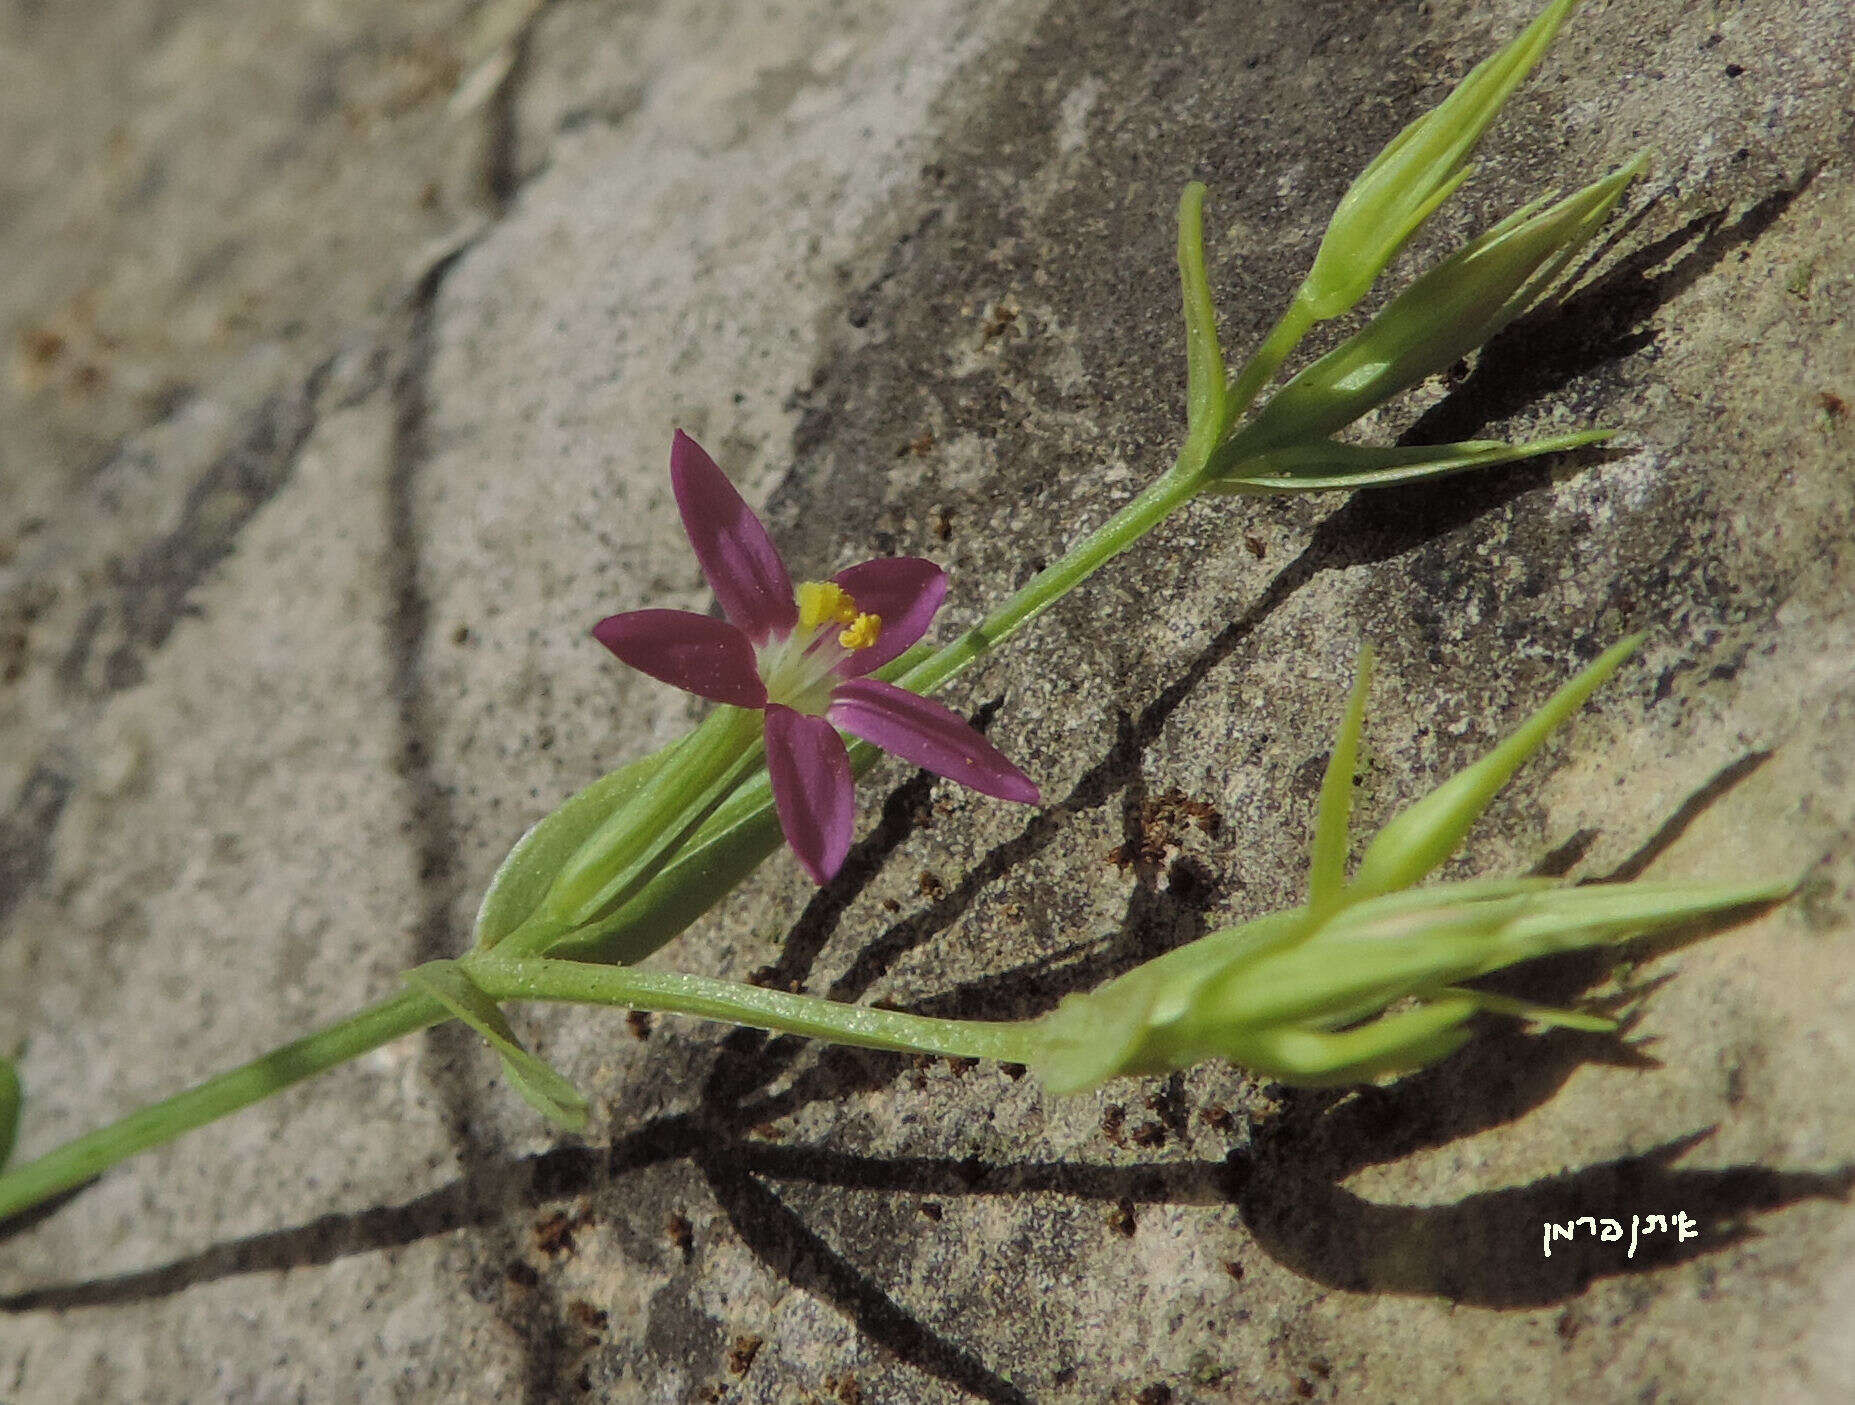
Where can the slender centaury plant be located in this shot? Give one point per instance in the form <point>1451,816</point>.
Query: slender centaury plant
<point>1367,978</point>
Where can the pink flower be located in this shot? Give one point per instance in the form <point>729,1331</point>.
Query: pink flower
<point>800,657</point>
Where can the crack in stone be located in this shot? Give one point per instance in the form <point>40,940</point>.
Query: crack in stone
<point>153,591</point>
<point>26,830</point>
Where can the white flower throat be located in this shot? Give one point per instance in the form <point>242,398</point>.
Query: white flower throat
<point>800,670</point>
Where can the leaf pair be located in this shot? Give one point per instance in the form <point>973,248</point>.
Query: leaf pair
<point>544,1088</point>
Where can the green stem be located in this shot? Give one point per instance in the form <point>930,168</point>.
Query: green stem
<point>1154,504</point>
<point>1268,359</point>
<point>502,979</point>
<point>674,992</point>
<point>77,1161</point>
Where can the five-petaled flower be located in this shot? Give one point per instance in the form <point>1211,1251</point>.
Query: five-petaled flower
<point>801,657</point>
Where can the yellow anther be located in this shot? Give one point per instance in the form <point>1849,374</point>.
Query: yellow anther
<point>825,602</point>
<point>862,633</point>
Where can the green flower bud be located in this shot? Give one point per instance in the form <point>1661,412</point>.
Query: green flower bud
<point>1444,315</point>
<point>1414,174</point>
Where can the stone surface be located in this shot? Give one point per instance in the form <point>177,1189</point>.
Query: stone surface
<point>292,639</point>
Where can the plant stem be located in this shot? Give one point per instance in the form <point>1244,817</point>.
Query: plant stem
<point>1155,503</point>
<point>77,1161</point>
<point>674,992</point>
<point>1285,337</point>
<point>502,979</point>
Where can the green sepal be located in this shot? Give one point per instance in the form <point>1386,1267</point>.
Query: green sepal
<point>637,839</point>
<point>1331,465</point>
<point>11,1097</point>
<point>1429,830</point>
<point>1379,1048</point>
<point>525,875</point>
<point>1206,381</point>
<point>1550,1016</point>
<point>730,844</point>
<point>741,834</point>
<point>1327,852</point>
<point>1418,170</point>
<point>545,1089</point>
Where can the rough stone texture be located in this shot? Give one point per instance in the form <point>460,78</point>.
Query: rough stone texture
<point>293,603</point>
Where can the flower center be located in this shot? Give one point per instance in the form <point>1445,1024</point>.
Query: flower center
<point>800,669</point>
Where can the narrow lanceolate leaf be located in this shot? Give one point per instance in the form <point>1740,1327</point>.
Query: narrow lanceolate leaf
<point>1390,1044</point>
<point>1206,388</point>
<point>1440,318</point>
<point>1332,465</point>
<point>1429,831</point>
<point>10,1100</point>
<point>544,1088</point>
<point>1417,171</point>
<point>1327,854</point>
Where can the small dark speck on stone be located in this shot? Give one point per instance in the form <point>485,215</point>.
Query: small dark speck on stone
<point>1113,1118</point>
<point>590,1318</point>
<point>639,1023</point>
<point>554,1233</point>
<point>1734,70</point>
<point>1159,1393</point>
<point>1121,1218</point>
<point>682,1234</point>
<point>933,1211</point>
<point>741,1355</point>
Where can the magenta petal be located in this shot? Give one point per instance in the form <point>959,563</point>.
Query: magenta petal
<point>812,789</point>
<point>737,556</point>
<point>911,727</point>
<point>704,656</point>
<point>904,592</point>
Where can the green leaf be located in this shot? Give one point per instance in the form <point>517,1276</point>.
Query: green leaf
<point>1397,1043</point>
<point>546,1090</point>
<point>538,856</point>
<point>1206,389</point>
<point>1327,853</point>
<point>1417,171</point>
<point>1429,831</point>
<point>1330,464</point>
<point>10,1099</point>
